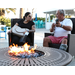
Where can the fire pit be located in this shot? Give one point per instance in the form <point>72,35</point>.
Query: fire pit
<point>48,57</point>
<point>24,51</point>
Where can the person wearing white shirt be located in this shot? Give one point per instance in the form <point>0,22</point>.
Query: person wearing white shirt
<point>61,30</point>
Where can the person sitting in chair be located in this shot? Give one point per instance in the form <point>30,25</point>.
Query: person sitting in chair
<point>26,22</point>
<point>61,29</point>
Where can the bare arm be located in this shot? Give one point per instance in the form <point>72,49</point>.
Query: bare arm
<point>68,28</point>
<point>33,29</point>
<point>52,28</point>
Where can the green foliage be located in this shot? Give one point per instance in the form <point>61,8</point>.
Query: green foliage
<point>40,18</point>
<point>5,21</point>
<point>11,9</point>
<point>2,20</point>
<point>51,17</point>
<point>2,10</point>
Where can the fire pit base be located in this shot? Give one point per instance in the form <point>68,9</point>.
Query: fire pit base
<point>51,57</point>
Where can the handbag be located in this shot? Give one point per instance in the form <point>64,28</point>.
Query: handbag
<point>18,30</point>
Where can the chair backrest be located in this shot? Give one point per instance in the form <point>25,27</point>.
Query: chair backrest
<point>13,21</point>
<point>3,28</point>
<point>41,22</point>
<point>73,30</point>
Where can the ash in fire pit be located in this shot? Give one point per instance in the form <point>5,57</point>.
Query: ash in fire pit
<point>24,51</point>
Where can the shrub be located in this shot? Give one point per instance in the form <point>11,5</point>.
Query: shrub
<point>40,18</point>
<point>5,21</point>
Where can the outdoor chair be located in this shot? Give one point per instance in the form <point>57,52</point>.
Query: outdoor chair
<point>10,35</point>
<point>3,30</point>
<point>71,40</point>
<point>41,23</point>
<point>36,24</point>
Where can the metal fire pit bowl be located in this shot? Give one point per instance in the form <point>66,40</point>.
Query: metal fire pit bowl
<point>51,57</point>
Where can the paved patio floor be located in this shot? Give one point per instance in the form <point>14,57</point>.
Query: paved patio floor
<point>38,39</point>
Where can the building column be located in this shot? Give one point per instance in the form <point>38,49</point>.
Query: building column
<point>46,18</point>
<point>49,18</point>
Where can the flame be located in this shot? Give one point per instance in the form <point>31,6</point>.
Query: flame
<point>16,50</point>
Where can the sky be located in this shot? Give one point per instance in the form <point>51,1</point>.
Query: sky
<point>39,12</point>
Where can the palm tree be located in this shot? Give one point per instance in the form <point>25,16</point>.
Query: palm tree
<point>11,9</point>
<point>33,10</point>
<point>2,11</point>
<point>21,12</point>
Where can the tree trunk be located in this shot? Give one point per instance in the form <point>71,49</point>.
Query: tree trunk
<point>32,12</point>
<point>2,12</point>
<point>21,12</point>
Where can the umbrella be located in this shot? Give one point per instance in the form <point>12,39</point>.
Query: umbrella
<point>36,17</point>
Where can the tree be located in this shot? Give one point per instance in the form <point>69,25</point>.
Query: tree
<point>33,10</point>
<point>11,9</point>
<point>2,11</point>
<point>21,12</point>
<point>27,9</point>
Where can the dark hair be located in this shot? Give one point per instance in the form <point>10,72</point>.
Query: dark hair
<point>26,14</point>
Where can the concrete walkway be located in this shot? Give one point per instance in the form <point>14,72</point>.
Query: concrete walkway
<point>38,39</point>
<point>39,35</point>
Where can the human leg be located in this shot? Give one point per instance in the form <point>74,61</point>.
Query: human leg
<point>63,45</point>
<point>15,39</point>
<point>28,40</point>
<point>49,39</point>
<point>64,41</point>
<point>46,41</point>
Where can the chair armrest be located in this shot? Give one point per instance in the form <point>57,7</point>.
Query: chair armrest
<point>71,44</point>
<point>10,35</point>
<point>48,34</point>
<point>32,38</point>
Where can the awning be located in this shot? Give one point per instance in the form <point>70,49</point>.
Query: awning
<point>67,11</point>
